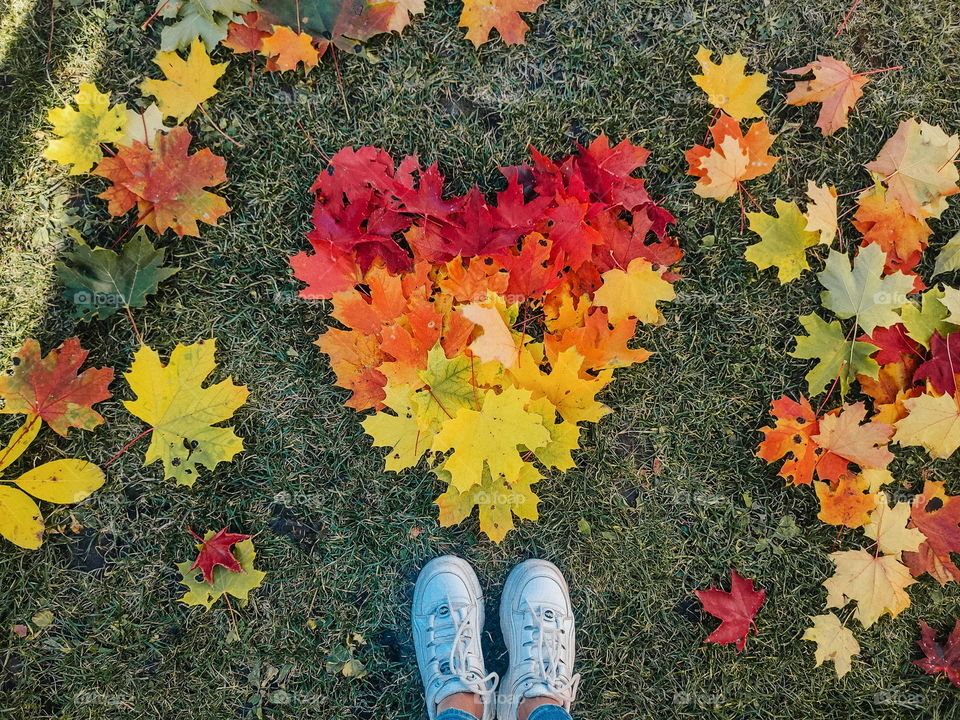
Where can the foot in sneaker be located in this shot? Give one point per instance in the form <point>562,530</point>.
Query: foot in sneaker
<point>447,622</point>
<point>536,618</point>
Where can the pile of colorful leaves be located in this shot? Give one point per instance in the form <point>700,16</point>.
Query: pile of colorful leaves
<point>482,331</point>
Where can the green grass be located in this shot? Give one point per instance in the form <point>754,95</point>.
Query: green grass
<point>344,555</point>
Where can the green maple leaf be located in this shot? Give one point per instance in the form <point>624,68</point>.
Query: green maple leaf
<point>837,356</point>
<point>450,385</point>
<point>783,241</point>
<point>225,582</point>
<point>204,19</point>
<point>926,318</point>
<point>948,259</point>
<point>99,281</point>
<point>864,293</point>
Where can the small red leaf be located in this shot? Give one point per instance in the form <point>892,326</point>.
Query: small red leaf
<point>216,551</point>
<point>736,609</point>
<point>940,658</point>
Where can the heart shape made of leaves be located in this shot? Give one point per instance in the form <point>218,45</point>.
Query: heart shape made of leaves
<point>481,332</point>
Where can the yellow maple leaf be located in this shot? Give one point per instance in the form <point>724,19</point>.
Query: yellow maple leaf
<point>403,433</point>
<point>876,583</point>
<point>499,500</point>
<point>822,211</point>
<point>564,386</point>
<point>933,422</point>
<point>238,584</point>
<point>634,293</point>
<point>188,82</point>
<point>888,526</point>
<point>728,87</point>
<point>489,437</point>
<point>172,400</point>
<point>564,436</point>
<point>783,241</point>
<point>82,130</point>
<point>834,642</point>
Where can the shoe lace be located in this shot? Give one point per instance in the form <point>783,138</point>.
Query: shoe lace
<point>549,635</point>
<point>454,626</point>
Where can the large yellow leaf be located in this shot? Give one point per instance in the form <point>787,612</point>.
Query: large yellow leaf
<point>728,87</point>
<point>62,481</point>
<point>933,423</point>
<point>634,293</point>
<point>834,642</point>
<point>571,394</point>
<point>20,520</point>
<point>171,398</point>
<point>188,82</point>
<point>490,437</point>
<point>876,583</point>
<point>82,130</point>
<point>20,441</point>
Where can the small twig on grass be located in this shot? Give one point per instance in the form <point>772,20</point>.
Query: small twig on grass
<point>846,17</point>
<point>233,619</point>
<point>126,447</point>
<point>217,127</point>
<point>53,5</point>
<point>309,137</point>
<point>336,66</point>
<point>155,13</point>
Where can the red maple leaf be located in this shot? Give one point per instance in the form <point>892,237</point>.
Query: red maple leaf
<point>736,609</point>
<point>944,364</point>
<point>216,551</point>
<point>52,388</point>
<point>940,658</point>
<point>893,342</point>
<point>165,184</point>
<point>937,516</point>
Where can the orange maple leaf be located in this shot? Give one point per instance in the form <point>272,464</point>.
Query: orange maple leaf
<point>733,159</point>
<point>834,85</point>
<point>482,16</point>
<point>245,36</point>
<point>847,435</point>
<point>165,184</point>
<point>285,49</point>
<point>354,359</point>
<point>792,438</point>
<point>603,346</point>
<point>882,220</point>
<point>937,516</point>
<point>845,502</point>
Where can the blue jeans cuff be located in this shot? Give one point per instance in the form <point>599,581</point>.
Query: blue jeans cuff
<point>549,712</point>
<point>455,714</point>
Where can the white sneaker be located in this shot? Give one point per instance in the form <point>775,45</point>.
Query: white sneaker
<point>447,622</point>
<point>536,618</point>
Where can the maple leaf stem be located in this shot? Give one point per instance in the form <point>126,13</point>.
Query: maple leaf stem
<point>156,12</point>
<point>190,530</point>
<point>126,447</point>
<point>133,324</point>
<point>713,120</point>
<point>130,229</point>
<point>952,159</point>
<point>855,192</point>
<point>217,127</point>
<point>309,137</point>
<point>53,5</point>
<point>233,619</point>
<point>881,70</point>
<point>108,150</point>
<point>846,17</point>
<point>437,401</point>
<point>747,193</point>
<point>336,67</point>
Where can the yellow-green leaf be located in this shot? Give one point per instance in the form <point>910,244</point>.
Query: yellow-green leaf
<point>62,481</point>
<point>20,520</point>
<point>171,398</point>
<point>783,241</point>
<point>82,130</point>
<point>188,82</point>
<point>20,441</point>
